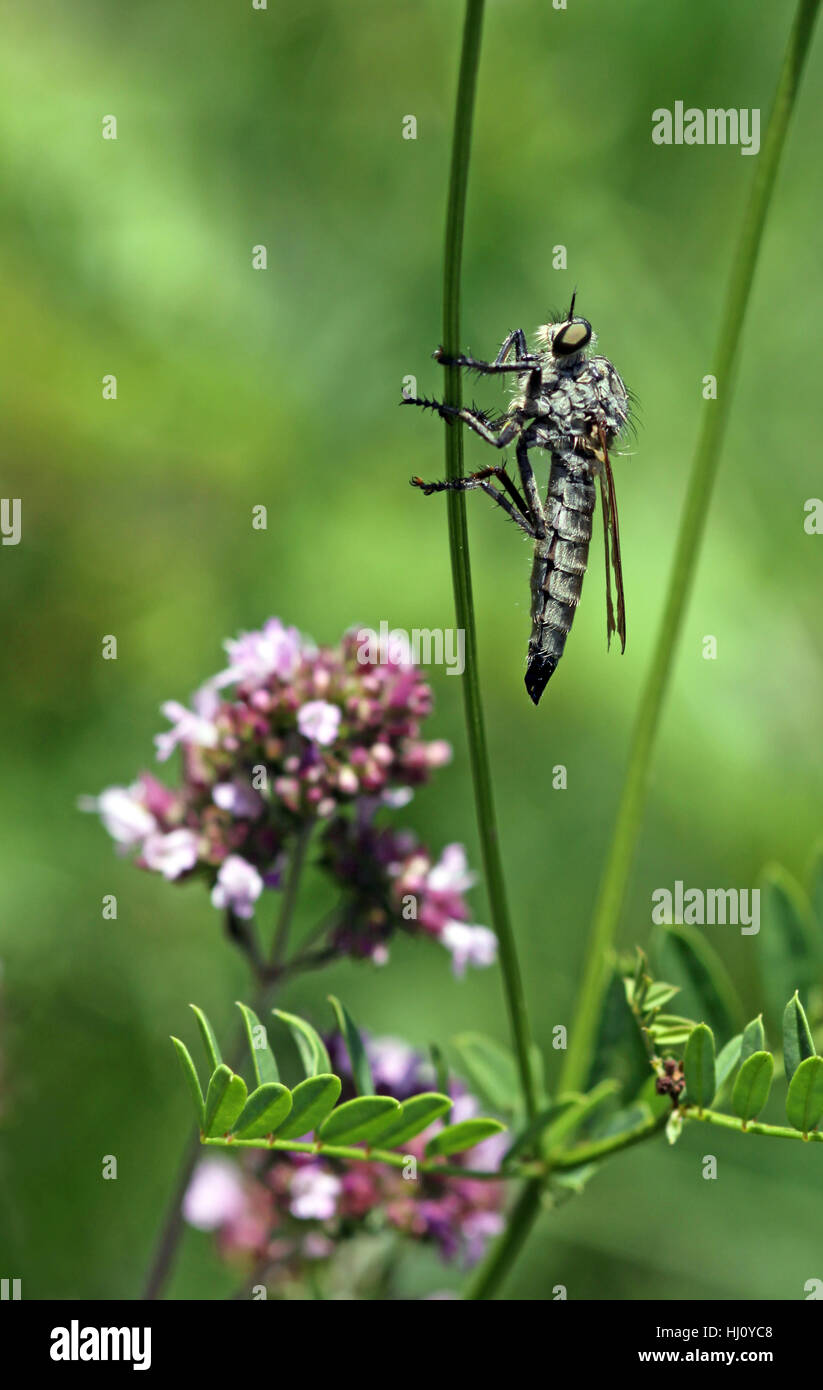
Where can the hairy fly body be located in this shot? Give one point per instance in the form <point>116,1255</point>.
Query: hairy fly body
<point>573,404</point>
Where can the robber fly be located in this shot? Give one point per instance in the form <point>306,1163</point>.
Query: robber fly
<point>572,404</point>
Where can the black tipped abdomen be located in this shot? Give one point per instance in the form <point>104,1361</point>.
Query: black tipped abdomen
<point>539,672</point>
<point>560,560</point>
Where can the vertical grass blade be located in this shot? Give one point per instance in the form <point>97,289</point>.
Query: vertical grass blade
<point>461,568</point>
<point>692,527</point>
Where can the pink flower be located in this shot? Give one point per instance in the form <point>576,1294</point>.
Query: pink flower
<point>314,1194</point>
<point>171,855</point>
<point>239,799</point>
<point>238,886</point>
<point>123,813</point>
<point>189,726</point>
<point>451,874</point>
<point>469,945</point>
<point>319,721</point>
<point>214,1196</point>
<point>255,656</point>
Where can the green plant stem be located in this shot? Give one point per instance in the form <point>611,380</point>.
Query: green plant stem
<point>692,527</point>
<point>618,864</point>
<point>598,1149</point>
<point>461,568</point>
<point>391,1157</point>
<point>491,1272</point>
<point>295,873</point>
<point>714,1117</point>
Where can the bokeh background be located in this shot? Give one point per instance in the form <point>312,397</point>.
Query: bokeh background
<point>284,127</point>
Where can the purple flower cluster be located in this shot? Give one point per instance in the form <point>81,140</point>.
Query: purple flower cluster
<point>291,1210</point>
<point>288,736</point>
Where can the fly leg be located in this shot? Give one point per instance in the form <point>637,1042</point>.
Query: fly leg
<point>536,508</point>
<point>517,509</point>
<point>473,418</point>
<point>524,361</point>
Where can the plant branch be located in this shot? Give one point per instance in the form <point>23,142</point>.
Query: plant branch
<point>714,1117</point>
<point>391,1157</point>
<point>692,527</point>
<point>461,567</point>
<point>490,1273</point>
<point>284,921</point>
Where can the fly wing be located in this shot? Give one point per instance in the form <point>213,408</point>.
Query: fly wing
<point>611,541</point>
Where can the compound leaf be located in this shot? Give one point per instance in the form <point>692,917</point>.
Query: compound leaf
<point>356,1121</point>
<point>311,1102</point>
<point>225,1099</point>
<point>310,1045</point>
<point>359,1062</point>
<point>209,1040</point>
<point>456,1138</point>
<point>416,1114</point>
<point>804,1103</point>
<point>262,1057</point>
<point>751,1089</point>
<point>699,1066</point>
<point>265,1109</point>
<point>798,1043</point>
<point>192,1079</point>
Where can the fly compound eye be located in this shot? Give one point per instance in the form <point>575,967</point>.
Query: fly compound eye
<point>572,337</point>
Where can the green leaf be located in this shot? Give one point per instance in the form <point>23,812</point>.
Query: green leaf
<point>707,979</point>
<point>659,994</point>
<point>209,1040</point>
<point>311,1102</point>
<point>193,1080</point>
<point>356,1121</point>
<point>618,1050</point>
<point>754,1038</point>
<point>490,1069</point>
<point>699,1067</point>
<point>798,1043</point>
<point>670,1030</point>
<point>456,1138</point>
<point>359,1062</point>
<point>804,1103</point>
<point>751,1089</point>
<point>265,1109</point>
<point>787,948</point>
<point>578,1113</point>
<point>310,1045</point>
<point>262,1057</point>
<point>727,1060</point>
<point>225,1099</point>
<point>416,1114</point>
<point>541,1122</point>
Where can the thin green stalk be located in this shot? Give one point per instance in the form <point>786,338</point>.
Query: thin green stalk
<point>461,570</point>
<point>390,1157</point>
<point>598,1149</point>
<point>714,1117</point>
<point>295,872</point>
<point>627,825</point>
<point>488,1275</point>
<point>692,526</point>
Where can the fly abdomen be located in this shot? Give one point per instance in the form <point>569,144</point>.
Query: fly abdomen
<point>560,559</point>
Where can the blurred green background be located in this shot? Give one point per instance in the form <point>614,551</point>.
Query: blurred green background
<point>235,387</point>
